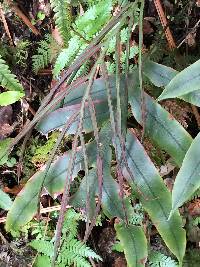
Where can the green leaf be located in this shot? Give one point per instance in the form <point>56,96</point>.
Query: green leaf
<point>184,82</point>
<point>7,79</point>
<point>161,75</point>
<point>42,246</point>
<point>57,119</point>
<point>5,201</point>
<point>158,74</point>
<point>134,243</point>
<point>154,196</point>
<point>10,97</point>
<point>42,261</point>
<point>188,178</point>
<point>160,126</point>
<point>26,202</point>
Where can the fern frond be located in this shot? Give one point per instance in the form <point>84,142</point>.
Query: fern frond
<point>7,79</point>
<point>63,17</point>
<point>92,21</point>
<point>46,53</point>
<point>157,259</point>
<point>67,258</point>
<point>80,248</point>
<point>42,246</point>
<point>67,55</point>
<point>195,195</point>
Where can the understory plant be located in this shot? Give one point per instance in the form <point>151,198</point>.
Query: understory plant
<point>93,108</point>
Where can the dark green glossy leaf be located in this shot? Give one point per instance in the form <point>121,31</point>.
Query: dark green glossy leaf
<point>154,196</point>
<point>160,126</point>
<point>188,178</point>
<point>5,201</point>
<point>134,243</point>
<point>184,82</point>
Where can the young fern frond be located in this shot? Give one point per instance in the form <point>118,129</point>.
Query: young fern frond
<point>63,18</point>
<point>7,79</point>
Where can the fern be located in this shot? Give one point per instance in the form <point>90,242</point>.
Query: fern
<point>46,52</point>
<point>72,251</point>
<point>195,195</point>
<point>7,79</point>
<point>85,28</point>
<point>63,18</point>
<point>157,259</point>
<point>42,246</point>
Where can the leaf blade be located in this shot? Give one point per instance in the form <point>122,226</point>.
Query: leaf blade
<point>130,237</point>
<point>155,197</point>
<point>184,82</point>
<point>188,177</point>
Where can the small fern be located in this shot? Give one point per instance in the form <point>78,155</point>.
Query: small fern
<point>72,251</point>
<point>42,246</point>
<point>46,52</point>
<point>7,79</point>
<point>63,18</point>
<point>157,259</point>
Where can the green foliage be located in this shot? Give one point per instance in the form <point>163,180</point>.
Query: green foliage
<point>42,246</point>
<point>9,82</point>
<point>5,201</point>
<point>21,52</point>
<point>72,251</point>
<point>84,29</point>
<point>130,237</point>
<point>63,18</point>
<point>157,259</point>
<point>46,52</point>
<point>188,177</point>
<point>6,160</point>
<point>42,152</point>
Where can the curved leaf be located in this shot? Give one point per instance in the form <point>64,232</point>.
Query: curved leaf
<point>57,119</point>
<point>154,196</point>
<point>25,204</point>
<point>160,126</point>
<point>10,97</point>
<point>184,82</point>
<point>158,74</point>
<point>5,201</point>
<point>188,177</point>
<point>134,243</point>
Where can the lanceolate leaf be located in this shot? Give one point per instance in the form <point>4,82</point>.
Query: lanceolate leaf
<point>188,178</point>
<point>158,74</point>
<point>161,75</point>
<point>5,201</point>
<point>134,243</point>
<point>57,119</point>
<point>26,202</point>
<point>154,196</point>
<point>185,82</point>
<point>160,126</point>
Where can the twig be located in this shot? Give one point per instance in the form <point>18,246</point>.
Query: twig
<point>6,25</point>
<point>164,23</point>
<point>21,15</point>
